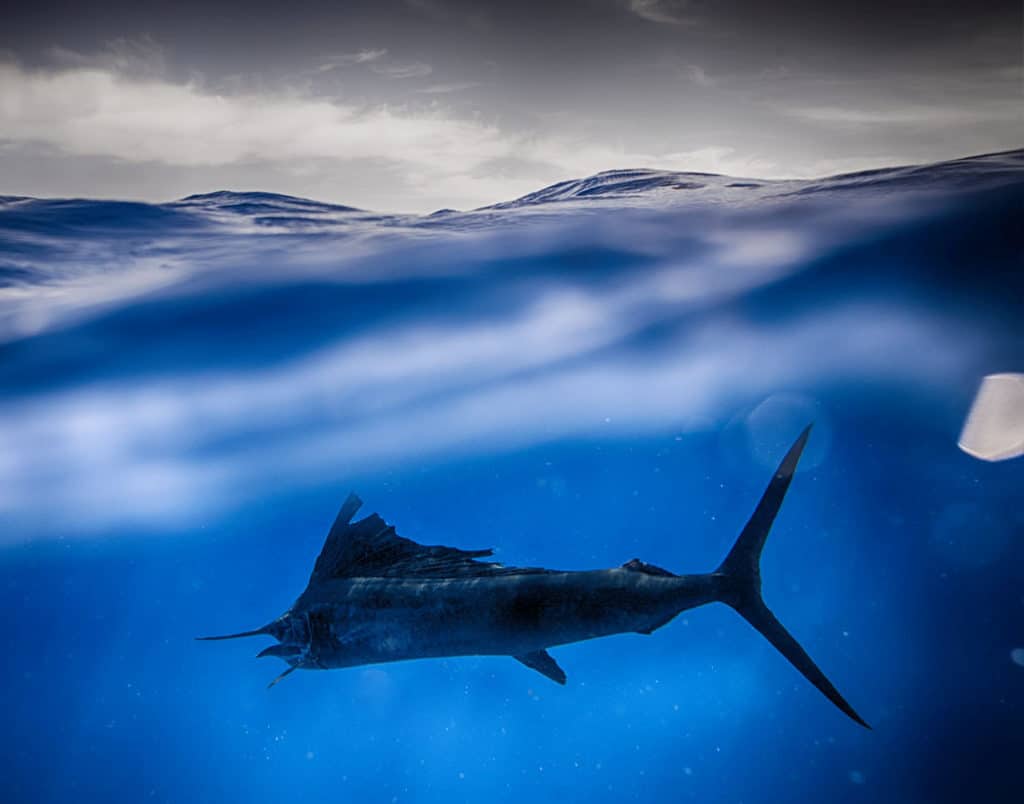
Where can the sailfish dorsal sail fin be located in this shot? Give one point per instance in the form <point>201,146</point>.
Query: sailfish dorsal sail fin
<point>370,548</point>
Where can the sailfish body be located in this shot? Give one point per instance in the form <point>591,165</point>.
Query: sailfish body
<point>376,597</point>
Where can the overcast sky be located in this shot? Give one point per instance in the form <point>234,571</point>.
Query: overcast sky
<point>412,105</point>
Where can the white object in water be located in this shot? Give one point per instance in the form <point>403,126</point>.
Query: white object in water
<point>994,430</point>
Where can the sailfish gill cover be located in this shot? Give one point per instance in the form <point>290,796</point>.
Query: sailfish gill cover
<point>605,369</point>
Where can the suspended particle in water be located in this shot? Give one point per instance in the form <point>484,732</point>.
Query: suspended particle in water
<point>970,536</point>
<point>994,429</point>
<point>1017,656</point>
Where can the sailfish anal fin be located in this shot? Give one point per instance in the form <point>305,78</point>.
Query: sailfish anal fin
<point>543,663</point>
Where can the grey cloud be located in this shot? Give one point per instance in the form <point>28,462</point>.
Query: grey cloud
<point>358,57</point>
<point>92,111</point>
<point>444,89</point>
<point>913,115</point>
<point>763,90</point>
<point>473,14</point>
<point>142,56</point>
<point>664,12</point>
<point>698,76</point>
<point>89,112</point>
<point>413,69</point>
<point>363,56</point>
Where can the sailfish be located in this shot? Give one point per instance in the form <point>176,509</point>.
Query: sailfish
<point>374,597</point>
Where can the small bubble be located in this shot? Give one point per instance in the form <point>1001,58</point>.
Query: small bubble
<point>773,425</point>
<point>1017,656</point>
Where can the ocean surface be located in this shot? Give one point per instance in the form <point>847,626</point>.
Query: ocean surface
<point>605,369</point>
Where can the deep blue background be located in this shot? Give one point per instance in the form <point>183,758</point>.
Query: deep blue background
<point>897,560</point>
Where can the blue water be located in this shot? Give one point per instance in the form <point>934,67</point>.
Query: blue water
<point>600,371</point>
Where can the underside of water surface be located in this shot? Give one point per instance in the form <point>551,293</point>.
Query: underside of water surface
<point>606,369</point>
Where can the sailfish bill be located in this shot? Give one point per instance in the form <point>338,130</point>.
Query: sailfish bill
<point>257,632</point>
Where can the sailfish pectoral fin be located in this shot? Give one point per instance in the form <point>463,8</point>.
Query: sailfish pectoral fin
<point>281,651</point>
<point>543,663</point>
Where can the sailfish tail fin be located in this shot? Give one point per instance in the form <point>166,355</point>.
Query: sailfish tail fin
<point>741,580</point>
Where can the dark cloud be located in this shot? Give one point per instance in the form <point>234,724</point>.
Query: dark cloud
<point>793,88</point>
